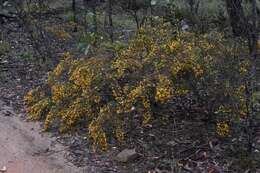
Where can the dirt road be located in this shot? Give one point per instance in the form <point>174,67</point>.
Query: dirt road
<point>23,149</point>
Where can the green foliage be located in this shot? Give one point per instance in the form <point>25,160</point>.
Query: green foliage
<point>207,15</point>
<point>28,56</point>
<point>5,47</point>
<point>153,71</point>
<point>36,6</point>
<point>89,39</point>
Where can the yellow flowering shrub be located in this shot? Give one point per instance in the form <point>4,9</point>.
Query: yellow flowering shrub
<point>164,91</point>
<point>223,129</point>
<point>154,69</point>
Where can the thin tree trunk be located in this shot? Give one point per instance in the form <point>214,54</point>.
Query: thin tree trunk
<point>135,15</point>
<point>253,53</point>
<point>192,5</point>
<point>94,10</point>
<point>74,14</point>
<point>85,4</point>
<point>237,18</point>
<point>95,24</point>
<point>109,25</point>
<point>151,12</point>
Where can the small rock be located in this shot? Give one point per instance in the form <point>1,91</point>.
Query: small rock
<point>127,155</point>
<point>4,169</point>
<point>78,152</point>
<point>20,115</point>
<point>172,143</point>
<point>7,113</point>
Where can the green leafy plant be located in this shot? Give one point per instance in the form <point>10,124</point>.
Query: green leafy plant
<point>5,47</point>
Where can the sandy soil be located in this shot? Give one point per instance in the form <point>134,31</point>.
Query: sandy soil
<point>23,149</point>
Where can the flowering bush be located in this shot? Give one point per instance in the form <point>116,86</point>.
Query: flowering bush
<point>223,129</point>
<point>156,67</point>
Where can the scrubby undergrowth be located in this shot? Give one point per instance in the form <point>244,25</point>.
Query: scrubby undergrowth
<point>157,69</point>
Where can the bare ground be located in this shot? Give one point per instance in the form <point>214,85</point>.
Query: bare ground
<point>23,149</point>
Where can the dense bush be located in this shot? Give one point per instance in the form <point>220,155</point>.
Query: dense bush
<point>155,70</point>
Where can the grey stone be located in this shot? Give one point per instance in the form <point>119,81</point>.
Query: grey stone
<point>172,143</point>
<point>126,155</point>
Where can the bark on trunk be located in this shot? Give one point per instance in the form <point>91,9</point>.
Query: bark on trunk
<point>74,14</point>
<point>108,25</point>
<point>240,26</point>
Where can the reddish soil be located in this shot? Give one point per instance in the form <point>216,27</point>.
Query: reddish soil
<point>23,149</point>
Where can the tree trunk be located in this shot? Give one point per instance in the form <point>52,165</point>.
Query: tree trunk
<point>94,10</point>
<point>151,12</point>
<point>237,18</point>
<point>74,14</point>
<point>109,25</point>
<point>252,37</point>
<point>94,20</point>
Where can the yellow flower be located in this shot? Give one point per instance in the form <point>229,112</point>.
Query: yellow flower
<point>164,89</point>
<point>223,129</point>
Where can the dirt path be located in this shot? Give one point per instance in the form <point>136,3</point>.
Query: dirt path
<point>23,149</point>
